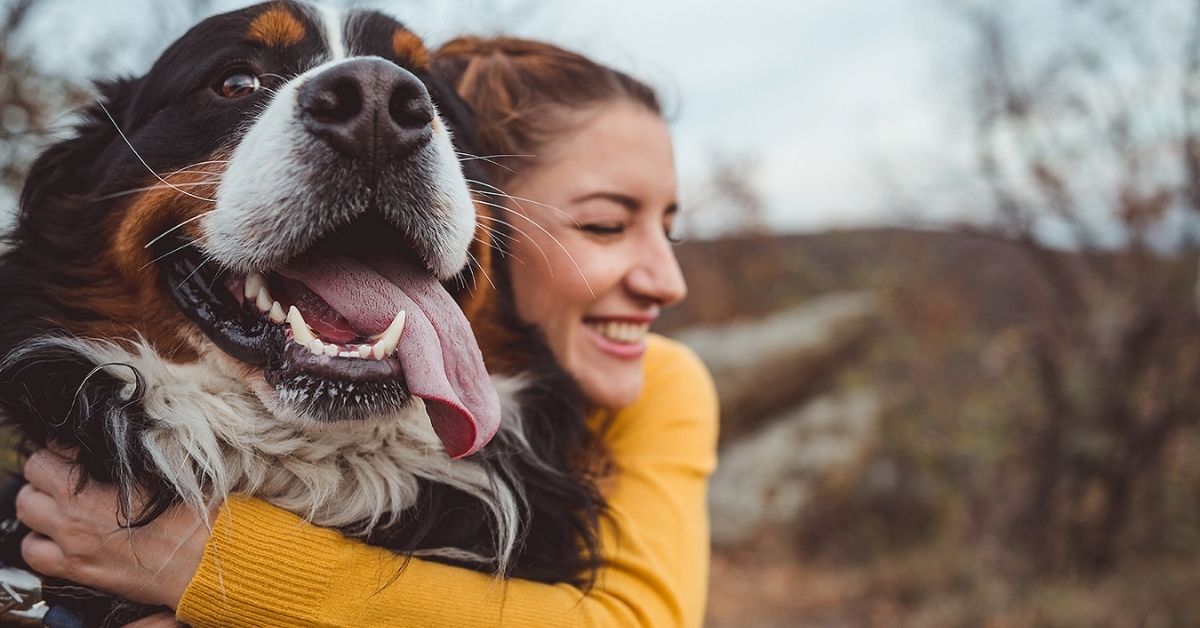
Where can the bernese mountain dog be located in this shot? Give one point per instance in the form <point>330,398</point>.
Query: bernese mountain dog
<point>251,272</point>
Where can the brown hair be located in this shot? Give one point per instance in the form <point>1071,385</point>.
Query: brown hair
<point>524,93</point>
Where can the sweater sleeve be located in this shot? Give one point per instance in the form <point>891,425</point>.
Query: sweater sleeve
<point>266,567</point>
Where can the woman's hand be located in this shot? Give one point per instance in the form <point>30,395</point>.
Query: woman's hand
<point>78,537</point>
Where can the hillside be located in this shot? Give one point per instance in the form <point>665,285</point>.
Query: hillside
<point>984,441</point>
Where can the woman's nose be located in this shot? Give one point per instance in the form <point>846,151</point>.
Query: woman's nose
<point>656,275</point>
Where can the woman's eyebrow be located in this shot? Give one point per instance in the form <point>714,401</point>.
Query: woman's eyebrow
<point>624,200</point>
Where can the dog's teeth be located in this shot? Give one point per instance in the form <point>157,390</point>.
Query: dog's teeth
<point>264,300</point>
<point>254,283</point>
<point>316,346</point>
<point>377,351</point>
<point>300,331</point>
<point>277,316</point>
<point>348,354</point>
<point>331,350</point>
<point>364,351</point>
<point>391,337</point>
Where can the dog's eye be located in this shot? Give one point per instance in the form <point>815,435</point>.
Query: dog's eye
<point>237,84</point>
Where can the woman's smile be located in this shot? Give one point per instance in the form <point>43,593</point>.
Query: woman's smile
<point>622,338</point>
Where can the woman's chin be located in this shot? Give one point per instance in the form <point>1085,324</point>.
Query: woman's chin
<point>611,386</point>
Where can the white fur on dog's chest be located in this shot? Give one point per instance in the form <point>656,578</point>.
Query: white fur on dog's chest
<point>211,437</point>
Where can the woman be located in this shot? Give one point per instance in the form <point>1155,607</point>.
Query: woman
<point>593,267</point>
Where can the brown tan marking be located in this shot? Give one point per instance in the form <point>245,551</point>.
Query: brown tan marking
<point>124,286</point>
<point>276,27</point>
<point>408,47</point>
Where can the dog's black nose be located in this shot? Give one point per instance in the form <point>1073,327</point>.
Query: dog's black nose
<point>368,109</point>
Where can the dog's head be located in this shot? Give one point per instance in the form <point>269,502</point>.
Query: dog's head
<point>279,195</point>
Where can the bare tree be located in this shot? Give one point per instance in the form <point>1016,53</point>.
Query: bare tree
<point>35,102</point>
<point>29,99</point>
<point>1088,136</point>
<point>727,200</point>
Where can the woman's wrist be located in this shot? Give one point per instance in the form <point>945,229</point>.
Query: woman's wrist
<point>180,567</point>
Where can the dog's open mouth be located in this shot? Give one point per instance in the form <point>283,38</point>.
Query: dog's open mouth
<point>351,329</point>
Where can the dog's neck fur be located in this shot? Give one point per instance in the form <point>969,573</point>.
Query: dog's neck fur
<point>211,437</point>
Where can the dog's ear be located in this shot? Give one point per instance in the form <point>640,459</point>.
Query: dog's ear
<point>68,167</point>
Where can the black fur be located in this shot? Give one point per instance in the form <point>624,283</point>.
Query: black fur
<point>52,394</point>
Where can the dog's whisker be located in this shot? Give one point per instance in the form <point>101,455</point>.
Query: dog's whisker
<point>172,229</point>
<point>527,237</point>
<point>216,176</point>
<point>200,163</point>
<point>149,188</point>
<point>520,199</point>
<point>217,277</point>
<point>195,270</point>
<point>507,239</point>
<point>474,281</point>
<point>494,233</point>
<point>487,244</point>
<point>556,241</point>
<point>498,240</point>
<point>138,155</point>
<point>166,255</point>
<point>466,154</point>
<point>491,159</point>
<point>481,269</point>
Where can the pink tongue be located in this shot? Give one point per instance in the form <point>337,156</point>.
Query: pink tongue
<point>442,363</point>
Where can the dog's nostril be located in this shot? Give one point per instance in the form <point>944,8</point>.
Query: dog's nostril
<point>368,109</point>
<point>339,101</point>
<point>409,106</point>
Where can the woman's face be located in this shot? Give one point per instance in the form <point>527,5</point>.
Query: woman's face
<point>592,263</point>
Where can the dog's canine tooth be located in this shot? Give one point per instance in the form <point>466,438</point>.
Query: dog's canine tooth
<point>277,316</point>
<point>254,283</point>
<point>390,338</point>
<point>300,331</point>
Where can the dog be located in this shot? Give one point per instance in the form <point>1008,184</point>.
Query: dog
<point>247,273</point>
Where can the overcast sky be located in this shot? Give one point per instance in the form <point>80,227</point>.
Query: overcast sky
<point>833,101</point>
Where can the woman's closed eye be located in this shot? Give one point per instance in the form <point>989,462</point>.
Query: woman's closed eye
<point>603,228</point>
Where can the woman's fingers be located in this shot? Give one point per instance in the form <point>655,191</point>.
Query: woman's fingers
<point>38,510</point>
<point>43,555</point>
<point>49,473</point>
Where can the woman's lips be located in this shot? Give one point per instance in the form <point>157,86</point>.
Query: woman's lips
<point>623,338</point>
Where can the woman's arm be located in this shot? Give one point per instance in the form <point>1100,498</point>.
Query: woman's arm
<point>264,566</point>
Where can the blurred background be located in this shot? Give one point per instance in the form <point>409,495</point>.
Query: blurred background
<point>943,264</point>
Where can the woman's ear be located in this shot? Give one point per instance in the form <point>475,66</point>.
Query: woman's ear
<point>66,168</point>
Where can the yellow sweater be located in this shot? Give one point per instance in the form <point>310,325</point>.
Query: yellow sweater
<point>266,567</point>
